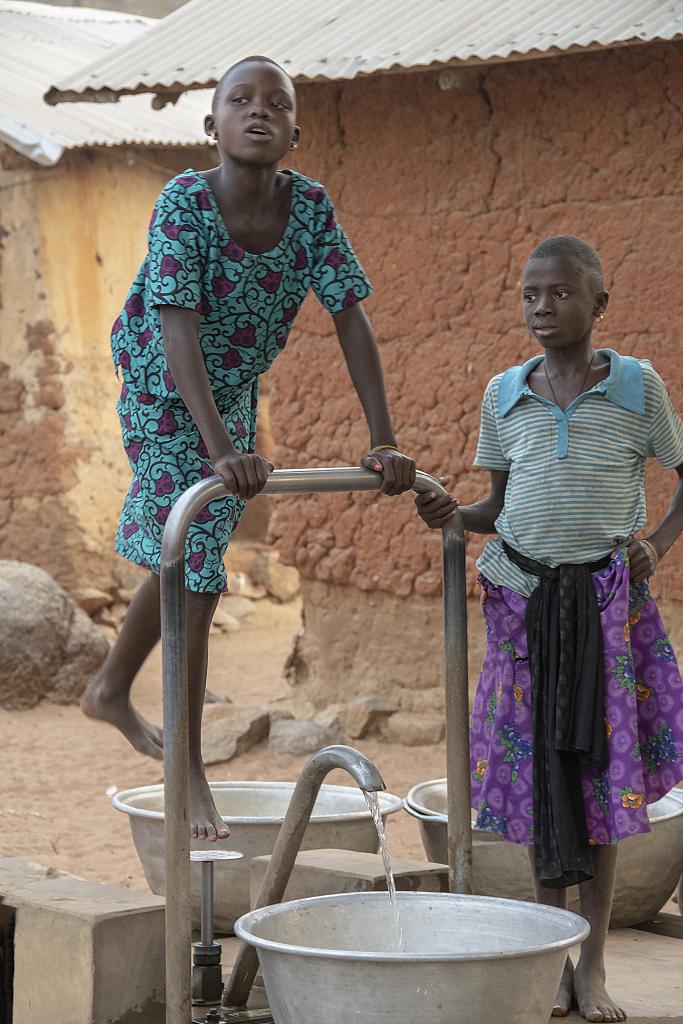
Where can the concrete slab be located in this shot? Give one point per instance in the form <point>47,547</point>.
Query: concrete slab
<point>16,872</point>
<point>324,872</point>
<point>83,953</point>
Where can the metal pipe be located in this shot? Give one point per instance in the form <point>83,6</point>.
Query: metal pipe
<point>288,844</point>
<point>457,708</point>
<point>175,700</point>
<point>207,903</point>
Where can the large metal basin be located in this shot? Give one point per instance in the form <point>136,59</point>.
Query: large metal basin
<point>648,866</point>
<point>468,959</point>
<point>254,812</point>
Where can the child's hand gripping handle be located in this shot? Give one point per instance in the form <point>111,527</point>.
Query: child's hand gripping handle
<point>436,509</point>
<point>397,469</point>
<point>244,475</point>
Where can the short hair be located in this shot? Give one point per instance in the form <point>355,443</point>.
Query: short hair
<point>579,254</point>
<point>255,59</point>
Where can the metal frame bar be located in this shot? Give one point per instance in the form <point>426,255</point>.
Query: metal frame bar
<point>175,701</point>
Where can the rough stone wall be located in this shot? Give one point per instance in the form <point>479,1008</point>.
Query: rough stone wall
<point>444,193</point>
<point>72,238</point>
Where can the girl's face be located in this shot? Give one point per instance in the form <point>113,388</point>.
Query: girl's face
<point>559,303</point>
<point>255,115</point>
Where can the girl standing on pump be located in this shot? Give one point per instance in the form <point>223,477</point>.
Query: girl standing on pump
<point>233,252</point>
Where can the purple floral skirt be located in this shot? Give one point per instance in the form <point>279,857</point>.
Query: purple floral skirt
<point>643,712</point>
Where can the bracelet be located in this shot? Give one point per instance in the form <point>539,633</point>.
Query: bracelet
<point>653,549</point>
<point>383,447</point>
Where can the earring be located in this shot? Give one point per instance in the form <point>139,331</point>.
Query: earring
<point>601,316</point>
<point>294,145</point>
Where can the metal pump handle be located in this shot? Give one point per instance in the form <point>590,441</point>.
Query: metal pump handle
<point>175,695</point>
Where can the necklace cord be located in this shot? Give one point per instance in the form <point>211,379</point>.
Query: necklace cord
<point>580,391</point>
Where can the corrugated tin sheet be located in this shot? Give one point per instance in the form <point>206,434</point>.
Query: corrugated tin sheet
<point>339,39</point>
<point>39,44</point>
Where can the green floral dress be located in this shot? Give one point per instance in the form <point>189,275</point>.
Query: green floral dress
<point>248,303</point>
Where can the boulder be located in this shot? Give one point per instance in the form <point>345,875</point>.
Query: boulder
<point>414,730</point>
<point>127,575</point>
<point>278,714</point>
<point>281,581</point>
<point>90,599</point>
<point>49,648</point>
<point>224,622</point>
<point>293,736</point>
<point>239,607</point>
<point>357,718</point>
<point>112,616</point>
<point>332,717</point>
<point>241,555</point>
<point>366,715</point>
<point>241,585</point>
<point>228,730</point>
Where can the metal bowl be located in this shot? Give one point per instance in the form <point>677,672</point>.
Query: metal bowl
<point>467,959</point>
<point>254,812</point>
<point>648,865</point>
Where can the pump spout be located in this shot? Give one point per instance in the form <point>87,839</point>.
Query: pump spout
<point>288,844</point>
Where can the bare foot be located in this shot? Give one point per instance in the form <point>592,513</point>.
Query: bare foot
<point>205,821</point>
<point>99,703</point>
<point>593,1001</point>
<point>565,993</point>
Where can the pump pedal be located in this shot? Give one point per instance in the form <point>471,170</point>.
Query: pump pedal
<point>246,1017</point>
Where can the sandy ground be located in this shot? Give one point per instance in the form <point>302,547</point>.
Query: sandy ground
<point>57,765</point>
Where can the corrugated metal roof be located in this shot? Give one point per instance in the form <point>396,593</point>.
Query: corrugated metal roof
<point>340,39</point>
<point>39,44</point>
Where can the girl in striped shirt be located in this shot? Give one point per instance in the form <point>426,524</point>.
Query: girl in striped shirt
<point>578,719</point>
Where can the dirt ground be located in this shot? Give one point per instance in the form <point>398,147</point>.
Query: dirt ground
<point>57,765</point>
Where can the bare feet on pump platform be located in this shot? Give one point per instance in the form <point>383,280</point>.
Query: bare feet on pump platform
<point>205,821</point>
<point>585,988</point>
<point>565,994</point>
<point>591,996</point>
<point>107,704</point>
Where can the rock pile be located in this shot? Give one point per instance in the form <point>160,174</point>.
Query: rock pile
<point>254,572</point>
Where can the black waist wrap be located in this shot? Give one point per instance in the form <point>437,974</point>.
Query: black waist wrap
<point>565,661</point>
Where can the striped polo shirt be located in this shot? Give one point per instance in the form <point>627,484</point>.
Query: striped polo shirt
<point>576,476</point>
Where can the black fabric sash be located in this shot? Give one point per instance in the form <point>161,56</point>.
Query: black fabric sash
<point>565,661</point>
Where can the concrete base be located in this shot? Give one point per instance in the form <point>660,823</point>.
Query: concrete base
<point>324,872</point>
<point>83,953</point>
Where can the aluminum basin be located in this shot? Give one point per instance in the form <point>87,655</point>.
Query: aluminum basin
<point>648,866</point>
<point>254,812</point>
<point>468,959</point>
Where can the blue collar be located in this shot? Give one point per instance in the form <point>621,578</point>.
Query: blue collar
<point>624,386</point>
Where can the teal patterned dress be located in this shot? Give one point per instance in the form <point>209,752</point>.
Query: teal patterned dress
<point>248,304</point>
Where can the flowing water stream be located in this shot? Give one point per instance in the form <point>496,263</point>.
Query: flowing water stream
<point>373,804</point>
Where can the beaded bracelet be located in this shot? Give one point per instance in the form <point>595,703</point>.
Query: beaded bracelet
<point>653,549</point>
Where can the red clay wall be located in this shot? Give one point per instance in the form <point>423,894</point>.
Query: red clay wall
<point>444,193</point>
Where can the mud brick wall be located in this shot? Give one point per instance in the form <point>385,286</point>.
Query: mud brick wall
<point>444,193</point>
